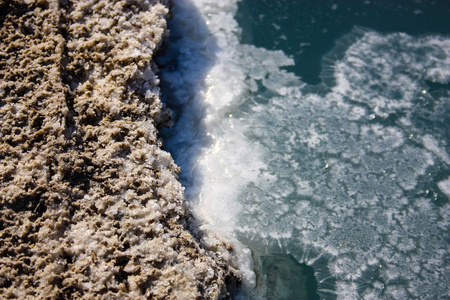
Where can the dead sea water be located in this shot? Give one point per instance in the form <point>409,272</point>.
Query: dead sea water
<point>314,136</point>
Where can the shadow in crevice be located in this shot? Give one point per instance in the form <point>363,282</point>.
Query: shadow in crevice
<point>184,61</point>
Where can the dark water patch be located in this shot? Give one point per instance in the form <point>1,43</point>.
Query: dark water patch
<point>306,29</point>
<point>287,279</point>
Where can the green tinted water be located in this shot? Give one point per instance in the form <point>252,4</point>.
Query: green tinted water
<point>308,29</point>
<point>315,135</point>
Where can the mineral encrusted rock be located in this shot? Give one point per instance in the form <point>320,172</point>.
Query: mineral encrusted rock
<point>90,206</point>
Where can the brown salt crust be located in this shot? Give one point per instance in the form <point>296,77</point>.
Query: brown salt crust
<point>90,206</point>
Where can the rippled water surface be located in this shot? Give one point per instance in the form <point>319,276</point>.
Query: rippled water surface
<point>314,135</point>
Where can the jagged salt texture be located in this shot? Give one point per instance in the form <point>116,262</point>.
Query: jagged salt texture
<point>90,204</point>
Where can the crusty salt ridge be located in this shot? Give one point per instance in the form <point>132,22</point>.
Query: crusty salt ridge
<point>90,205</point>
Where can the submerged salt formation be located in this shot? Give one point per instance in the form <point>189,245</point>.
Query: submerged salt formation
<point>90,205</point>
<point>349,178</point>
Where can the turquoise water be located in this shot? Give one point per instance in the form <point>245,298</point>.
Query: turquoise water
<point>314,136</point>
<point>313,27</point>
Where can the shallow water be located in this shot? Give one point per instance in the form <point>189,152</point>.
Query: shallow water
<point>315,135</point>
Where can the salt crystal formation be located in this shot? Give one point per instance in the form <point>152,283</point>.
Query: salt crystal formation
<point>90,206</point>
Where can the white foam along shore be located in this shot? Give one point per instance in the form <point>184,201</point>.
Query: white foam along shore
<point>323,177</point>
<point>207,85</point>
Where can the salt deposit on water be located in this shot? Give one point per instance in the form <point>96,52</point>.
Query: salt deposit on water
<point>350,177</point>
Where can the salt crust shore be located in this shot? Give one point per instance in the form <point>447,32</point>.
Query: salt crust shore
<point>90,206</point>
